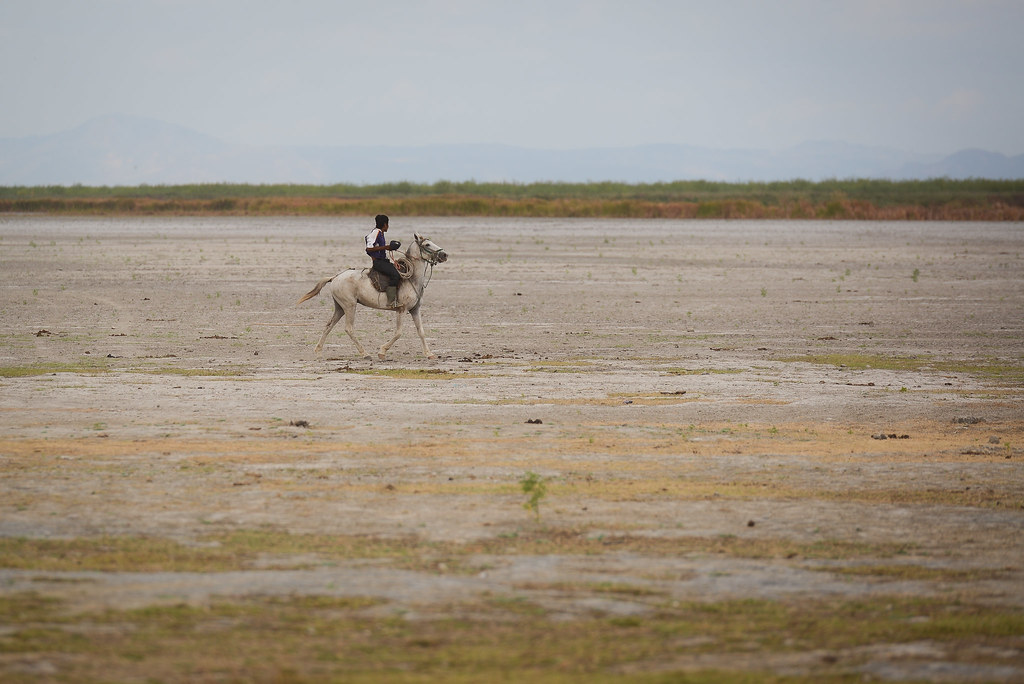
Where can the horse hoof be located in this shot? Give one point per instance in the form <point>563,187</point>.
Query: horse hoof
<point>433,357</point>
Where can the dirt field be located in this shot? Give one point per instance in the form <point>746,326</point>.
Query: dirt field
<point>766,449</point>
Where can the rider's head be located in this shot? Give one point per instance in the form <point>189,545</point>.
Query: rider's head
<point>382,221</point>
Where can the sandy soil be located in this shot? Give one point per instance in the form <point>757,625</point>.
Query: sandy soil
<point>692,380</point>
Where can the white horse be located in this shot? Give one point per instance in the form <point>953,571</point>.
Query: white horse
<point>353,287</point>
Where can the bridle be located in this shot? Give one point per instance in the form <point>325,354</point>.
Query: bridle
<point>430,254</point>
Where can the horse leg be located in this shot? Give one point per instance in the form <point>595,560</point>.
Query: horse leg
<point>338,313</point>
<point>350,328</point>
<point>415,313</point>
<point>398,333</point>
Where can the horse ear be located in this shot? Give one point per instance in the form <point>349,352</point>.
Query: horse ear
<point>417,237</point>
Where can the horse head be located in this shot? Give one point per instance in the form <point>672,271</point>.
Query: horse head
<point>428,251</point>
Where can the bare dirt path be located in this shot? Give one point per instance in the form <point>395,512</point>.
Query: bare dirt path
<point>801,414</point>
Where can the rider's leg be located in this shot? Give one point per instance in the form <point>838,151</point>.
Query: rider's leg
<point>388,269</point>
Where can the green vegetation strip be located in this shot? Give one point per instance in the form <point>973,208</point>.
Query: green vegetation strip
<point>241,549</point>
<point>98,367</point>
<point>974,199</point>
<point>80,367</point>
<point>919,573</point>
<point>995,369</point>
<point>319,638</point>
<point>882,192</point>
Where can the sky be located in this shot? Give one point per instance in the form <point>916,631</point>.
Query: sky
<point>927,76</point>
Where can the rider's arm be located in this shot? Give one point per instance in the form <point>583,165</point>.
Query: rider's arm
<point>394,244</point>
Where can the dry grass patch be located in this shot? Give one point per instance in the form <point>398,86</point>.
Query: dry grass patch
<point>324,638</point>
<point>611,400</point>
<point>702,371</point>
<point>998,370</point>
<point>611,588</point>
<point>919,572</point>
<point>232,372</point>
<point>237,550</point>
<point>35,453</point>
<point>569,366</point>
<point>412,373</point>
<point>82,367</point>
<point>1008,495</point>
<point>246,549</point>
<point>928,442</point>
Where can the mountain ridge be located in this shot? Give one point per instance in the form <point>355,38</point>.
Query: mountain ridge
<point>129,150</point>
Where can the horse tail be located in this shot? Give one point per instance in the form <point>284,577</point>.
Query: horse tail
<point>316,290</point>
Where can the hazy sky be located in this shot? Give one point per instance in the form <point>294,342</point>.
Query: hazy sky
<point>919,75</point>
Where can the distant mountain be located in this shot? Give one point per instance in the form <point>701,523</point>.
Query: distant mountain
<point>124,150</point>
<point>968,164</point>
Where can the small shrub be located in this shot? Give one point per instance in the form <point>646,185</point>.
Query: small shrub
<point>535,487</point>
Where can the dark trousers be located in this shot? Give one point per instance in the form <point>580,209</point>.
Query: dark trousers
<point>387,268</point>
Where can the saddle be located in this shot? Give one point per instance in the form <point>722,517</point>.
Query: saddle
<point>380,282</point>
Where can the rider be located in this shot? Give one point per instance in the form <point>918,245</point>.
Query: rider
<point>378,247</point>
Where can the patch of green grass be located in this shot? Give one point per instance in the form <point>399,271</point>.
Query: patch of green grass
<point>862,361</point>
<point>702,371</point>
<point>239,550</point>
<point>996,369</point>
<point>84,367</point>
<point>141,554</point>
<point>299,638</point>
<point>28,607</point>
<point>916,573</point>
<point>98,366</point>
<point>1004,372</point>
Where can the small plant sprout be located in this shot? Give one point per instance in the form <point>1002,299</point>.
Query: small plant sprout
<point>764,291</point>
<point>535,487</point>
<point>915,274</point>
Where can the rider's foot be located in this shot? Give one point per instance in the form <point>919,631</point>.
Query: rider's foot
<point>392,297</point>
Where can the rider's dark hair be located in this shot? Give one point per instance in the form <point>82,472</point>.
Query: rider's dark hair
<point>382,220</point>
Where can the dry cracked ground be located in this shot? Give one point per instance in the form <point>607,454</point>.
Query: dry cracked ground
<point>648,451</point>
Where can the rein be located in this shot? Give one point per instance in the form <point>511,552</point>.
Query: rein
<point>428,256</point>
<point>431,253</point>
